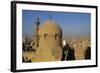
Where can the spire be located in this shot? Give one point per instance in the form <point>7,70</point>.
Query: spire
<point>50,18</point>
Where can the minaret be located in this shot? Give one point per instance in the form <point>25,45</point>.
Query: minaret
<point>36,37</point>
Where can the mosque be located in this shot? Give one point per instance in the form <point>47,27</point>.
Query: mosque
<point>49,41</point>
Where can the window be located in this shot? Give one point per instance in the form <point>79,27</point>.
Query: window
<point>45,36</point>
<point>56,36</point>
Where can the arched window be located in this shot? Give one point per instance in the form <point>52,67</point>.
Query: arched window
<point>45,36</point>
<point>56,36</point>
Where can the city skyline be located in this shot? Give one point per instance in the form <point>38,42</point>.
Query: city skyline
<point>73,24</point>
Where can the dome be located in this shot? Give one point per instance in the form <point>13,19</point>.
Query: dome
<point>50,27</point>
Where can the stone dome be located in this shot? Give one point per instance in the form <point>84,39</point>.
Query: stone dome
<point>50,27</point>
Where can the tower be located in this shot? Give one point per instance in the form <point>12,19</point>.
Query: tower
<point>36,37</point>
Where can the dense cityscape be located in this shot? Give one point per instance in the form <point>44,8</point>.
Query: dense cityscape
<point>81,47</point>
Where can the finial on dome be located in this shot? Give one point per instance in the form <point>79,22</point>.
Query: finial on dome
<point>50,18</point>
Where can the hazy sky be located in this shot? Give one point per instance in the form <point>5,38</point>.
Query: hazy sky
<point>72,23</point>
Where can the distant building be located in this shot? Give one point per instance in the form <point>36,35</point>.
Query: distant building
<point>64,43</point>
